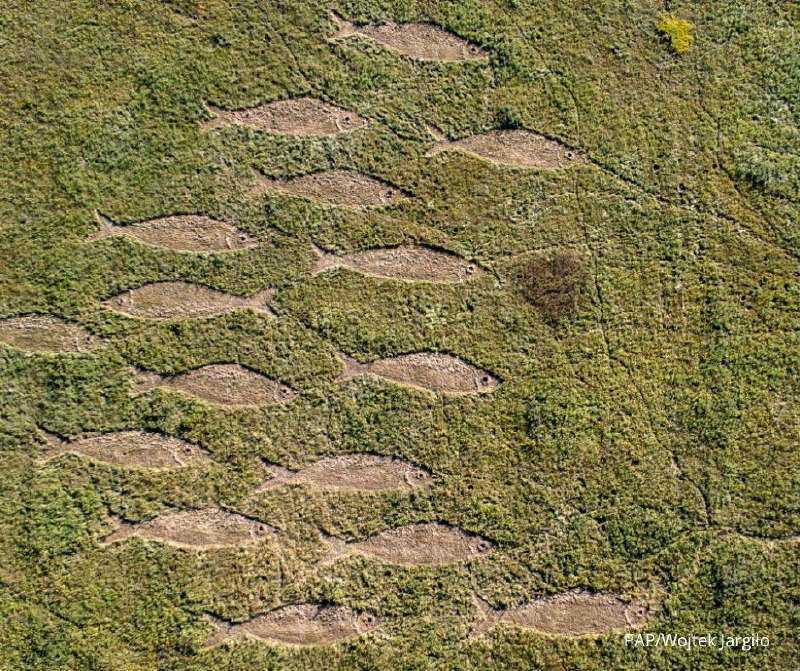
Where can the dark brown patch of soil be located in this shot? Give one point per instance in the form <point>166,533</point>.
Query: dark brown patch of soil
<point>553,283</point>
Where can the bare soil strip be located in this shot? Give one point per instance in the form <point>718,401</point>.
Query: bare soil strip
<point>181,233</point>
<point>576,613</point>
<point>183,300</point>
<point>301,625</point>
<point>422,41</point>
<point>196,529</point>
<point>230,385</point>
<point>131,449</point>
<point>407,263</point>
<point>431,371</point>
<point>341,188</point>
<point>414,545</point>
<point>513,148</point>
<point>303,117</point>
<point>354,472</point>
<point>43,333</point>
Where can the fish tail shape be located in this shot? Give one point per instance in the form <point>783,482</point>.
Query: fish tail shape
<point>107,229</point>
<point>325,261</point>
<point>336,549</point>
<point>279,476</point>
<point>219,118</point>
<point>145,380</point>
<point>351,368</point>
<point>122,531</point>
<point>260,301</point>
<point>344,28</point>
<point>439,138</point>
<point>54,446</point>
<point>221,631</point>
<point>487,618</point>
<point>263,184</point>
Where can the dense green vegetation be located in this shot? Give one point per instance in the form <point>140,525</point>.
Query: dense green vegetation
<point>644,439</point>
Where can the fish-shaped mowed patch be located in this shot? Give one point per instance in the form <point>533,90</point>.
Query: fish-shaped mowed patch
<point>355,472</point>
<point>183,300</point>
<point>132,449</point>
<point>409,263</point>
<point>422,41</point>
<point>180,232</point>
<point>303,117</point>
<point>195,529</point>
<point>44,333</point>
<point>300,625</point>
<point>413,545</point>
<point>576,613</point>
<point>224,384</point>
<point>513,148</point>
<point>341,188</point>
<point>432,371</point>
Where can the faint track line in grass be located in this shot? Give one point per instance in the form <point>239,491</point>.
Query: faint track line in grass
<point>613,358</point>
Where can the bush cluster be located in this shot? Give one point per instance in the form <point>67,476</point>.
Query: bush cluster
<point>677,31</point>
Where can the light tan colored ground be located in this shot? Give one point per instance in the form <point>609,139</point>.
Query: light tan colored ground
<point>355,472</point>
<point>407,262</point>
<point>432,371</point>
<point>145,380</point>
<point>133,449</point>
<point>415,545</point>
<point>232,385</point>
<point>182,300</point>
<point>576,613</point>
<point>417,40</point>
<point>182,233</point>
<point>197,529</point>
<point>343,188</point>
<point>514,148</point>
<point>43,333</point>
<point>304,117</point>
<point>301,625</point>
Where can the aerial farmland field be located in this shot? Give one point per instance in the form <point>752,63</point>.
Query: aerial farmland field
<point>386,335</point>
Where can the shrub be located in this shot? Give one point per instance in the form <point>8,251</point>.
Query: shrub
<point>677,31</point>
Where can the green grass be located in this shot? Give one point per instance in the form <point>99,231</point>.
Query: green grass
<point>647,442</point>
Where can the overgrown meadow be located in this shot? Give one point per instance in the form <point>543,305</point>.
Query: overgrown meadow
<point>642,310</point>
